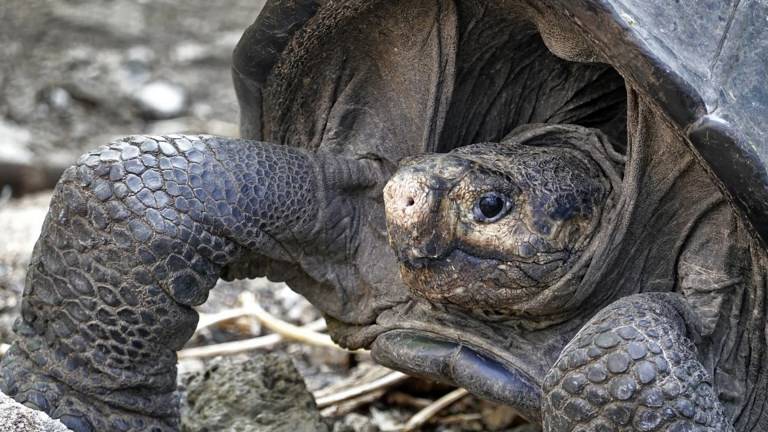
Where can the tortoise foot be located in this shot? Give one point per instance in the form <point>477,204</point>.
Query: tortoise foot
<point>23,380</point>
<point>633,367</point>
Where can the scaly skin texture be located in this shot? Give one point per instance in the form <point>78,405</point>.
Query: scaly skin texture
<point>633,367</point>
<point>137,233</point>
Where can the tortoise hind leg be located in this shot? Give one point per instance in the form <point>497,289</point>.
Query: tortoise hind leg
<point>633,367</point>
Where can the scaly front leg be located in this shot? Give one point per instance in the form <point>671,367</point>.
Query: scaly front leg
<point>138,233</point>
<point>633,367</point>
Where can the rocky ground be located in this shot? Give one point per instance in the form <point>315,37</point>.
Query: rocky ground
<point>77,73</point>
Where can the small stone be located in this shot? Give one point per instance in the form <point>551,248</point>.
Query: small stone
<point>161,100</point>
<point>498,417</point>
<point>59,99</point>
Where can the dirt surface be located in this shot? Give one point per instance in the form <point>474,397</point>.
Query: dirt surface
<point>74,74</point>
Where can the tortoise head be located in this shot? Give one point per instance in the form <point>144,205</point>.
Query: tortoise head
<point>490,227</point>
<point>494,242</point>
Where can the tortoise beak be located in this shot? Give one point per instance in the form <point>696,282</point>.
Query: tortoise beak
<point>417,227</point>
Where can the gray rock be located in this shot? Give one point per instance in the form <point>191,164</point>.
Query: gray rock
<point>161,100</point>
<point>15,417</point>
<point>263,393</point>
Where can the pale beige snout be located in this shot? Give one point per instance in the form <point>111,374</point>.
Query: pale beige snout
<point>413,217</point>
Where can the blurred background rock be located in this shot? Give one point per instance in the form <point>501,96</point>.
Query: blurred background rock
<point>76,73</point>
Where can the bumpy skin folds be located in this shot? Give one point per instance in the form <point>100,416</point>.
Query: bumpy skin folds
<point>632,368</point>
<point>137,233</point>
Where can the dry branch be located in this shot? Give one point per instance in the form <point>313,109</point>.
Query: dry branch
<point>427,413</point>
<point>236,347</point>
<point>386,381</point>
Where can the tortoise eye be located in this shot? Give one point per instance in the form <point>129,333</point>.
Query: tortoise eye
<point>491,207</point>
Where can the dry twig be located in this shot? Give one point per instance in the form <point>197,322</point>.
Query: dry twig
<point>286,329</point>
<point>210,320</point>
<point>427,413</point>
<point>463,418</point>
<point>347,406</point>
<point>307,334</point>
<point>405,399</point>
<point>383,382</point>
<point>236,347</point>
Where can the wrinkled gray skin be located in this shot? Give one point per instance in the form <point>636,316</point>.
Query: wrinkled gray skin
<point>652,319</point>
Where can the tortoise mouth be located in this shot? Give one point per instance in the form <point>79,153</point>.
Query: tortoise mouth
<point>500,361</point>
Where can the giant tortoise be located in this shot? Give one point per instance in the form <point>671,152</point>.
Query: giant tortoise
<point>557,205</point>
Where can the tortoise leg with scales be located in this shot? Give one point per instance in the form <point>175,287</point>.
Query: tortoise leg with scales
<point>593,268</point>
